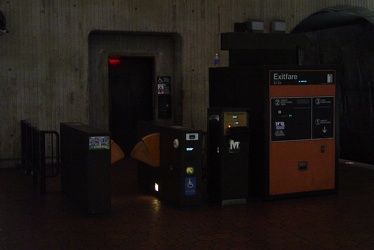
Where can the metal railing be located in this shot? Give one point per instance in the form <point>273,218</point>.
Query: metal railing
<point>40,153</point>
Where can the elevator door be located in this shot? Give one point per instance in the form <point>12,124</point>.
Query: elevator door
<point>131,97</point>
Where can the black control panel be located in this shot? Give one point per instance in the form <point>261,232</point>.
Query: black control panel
<point>302,118</point>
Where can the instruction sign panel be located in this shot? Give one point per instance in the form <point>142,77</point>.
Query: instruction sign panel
<point>302,118</point>
<point>164,97</point>
<point>163,85</point>
<point>323,117</point>
<point>291,119</point>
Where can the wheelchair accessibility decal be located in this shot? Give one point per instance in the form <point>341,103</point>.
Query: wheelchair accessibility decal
<point>190,186</point>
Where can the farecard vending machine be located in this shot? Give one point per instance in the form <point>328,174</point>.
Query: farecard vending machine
<point>227,170</point>
<point>293,145</point>
<point>302,131</point>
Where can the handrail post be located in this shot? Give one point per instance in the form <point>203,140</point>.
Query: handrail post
<point>34,157</point>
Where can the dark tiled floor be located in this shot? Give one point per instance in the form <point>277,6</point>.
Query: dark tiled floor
<point>29,220</point>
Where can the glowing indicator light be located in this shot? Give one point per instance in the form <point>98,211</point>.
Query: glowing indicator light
<point>156,187</point>
<point>114,60</point>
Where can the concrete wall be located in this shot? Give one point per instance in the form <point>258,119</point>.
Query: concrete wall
<point>44,60</point>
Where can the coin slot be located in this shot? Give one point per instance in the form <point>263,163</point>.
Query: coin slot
<point>303,165</point>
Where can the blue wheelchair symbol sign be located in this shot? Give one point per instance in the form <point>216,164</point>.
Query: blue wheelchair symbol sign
<point>190,186</point>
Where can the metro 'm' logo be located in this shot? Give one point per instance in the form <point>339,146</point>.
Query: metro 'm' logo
<point>234,146</point>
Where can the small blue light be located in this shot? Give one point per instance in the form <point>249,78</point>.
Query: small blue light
<point>189,149</point>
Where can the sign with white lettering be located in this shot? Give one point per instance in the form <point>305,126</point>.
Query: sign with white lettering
<point>302,118</point>
<point>163,85</point>
<point>323,114</point>
<point>301,77</point>
<point>291,118</point>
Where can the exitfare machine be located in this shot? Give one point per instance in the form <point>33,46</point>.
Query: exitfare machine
<point>293,144</point>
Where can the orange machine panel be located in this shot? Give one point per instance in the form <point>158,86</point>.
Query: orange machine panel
<point>301,166</point>
<point>302,150</point>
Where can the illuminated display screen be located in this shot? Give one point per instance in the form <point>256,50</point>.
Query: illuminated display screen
<point>234,119</point>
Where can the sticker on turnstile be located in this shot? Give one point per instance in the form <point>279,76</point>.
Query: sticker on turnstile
<point>176,143</point>
<point>190,170</point>
<point>192,137</point>
<point>98,142</point>
<point>190,186</point>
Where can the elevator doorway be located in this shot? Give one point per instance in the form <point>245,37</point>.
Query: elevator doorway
<point>130,81</point>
